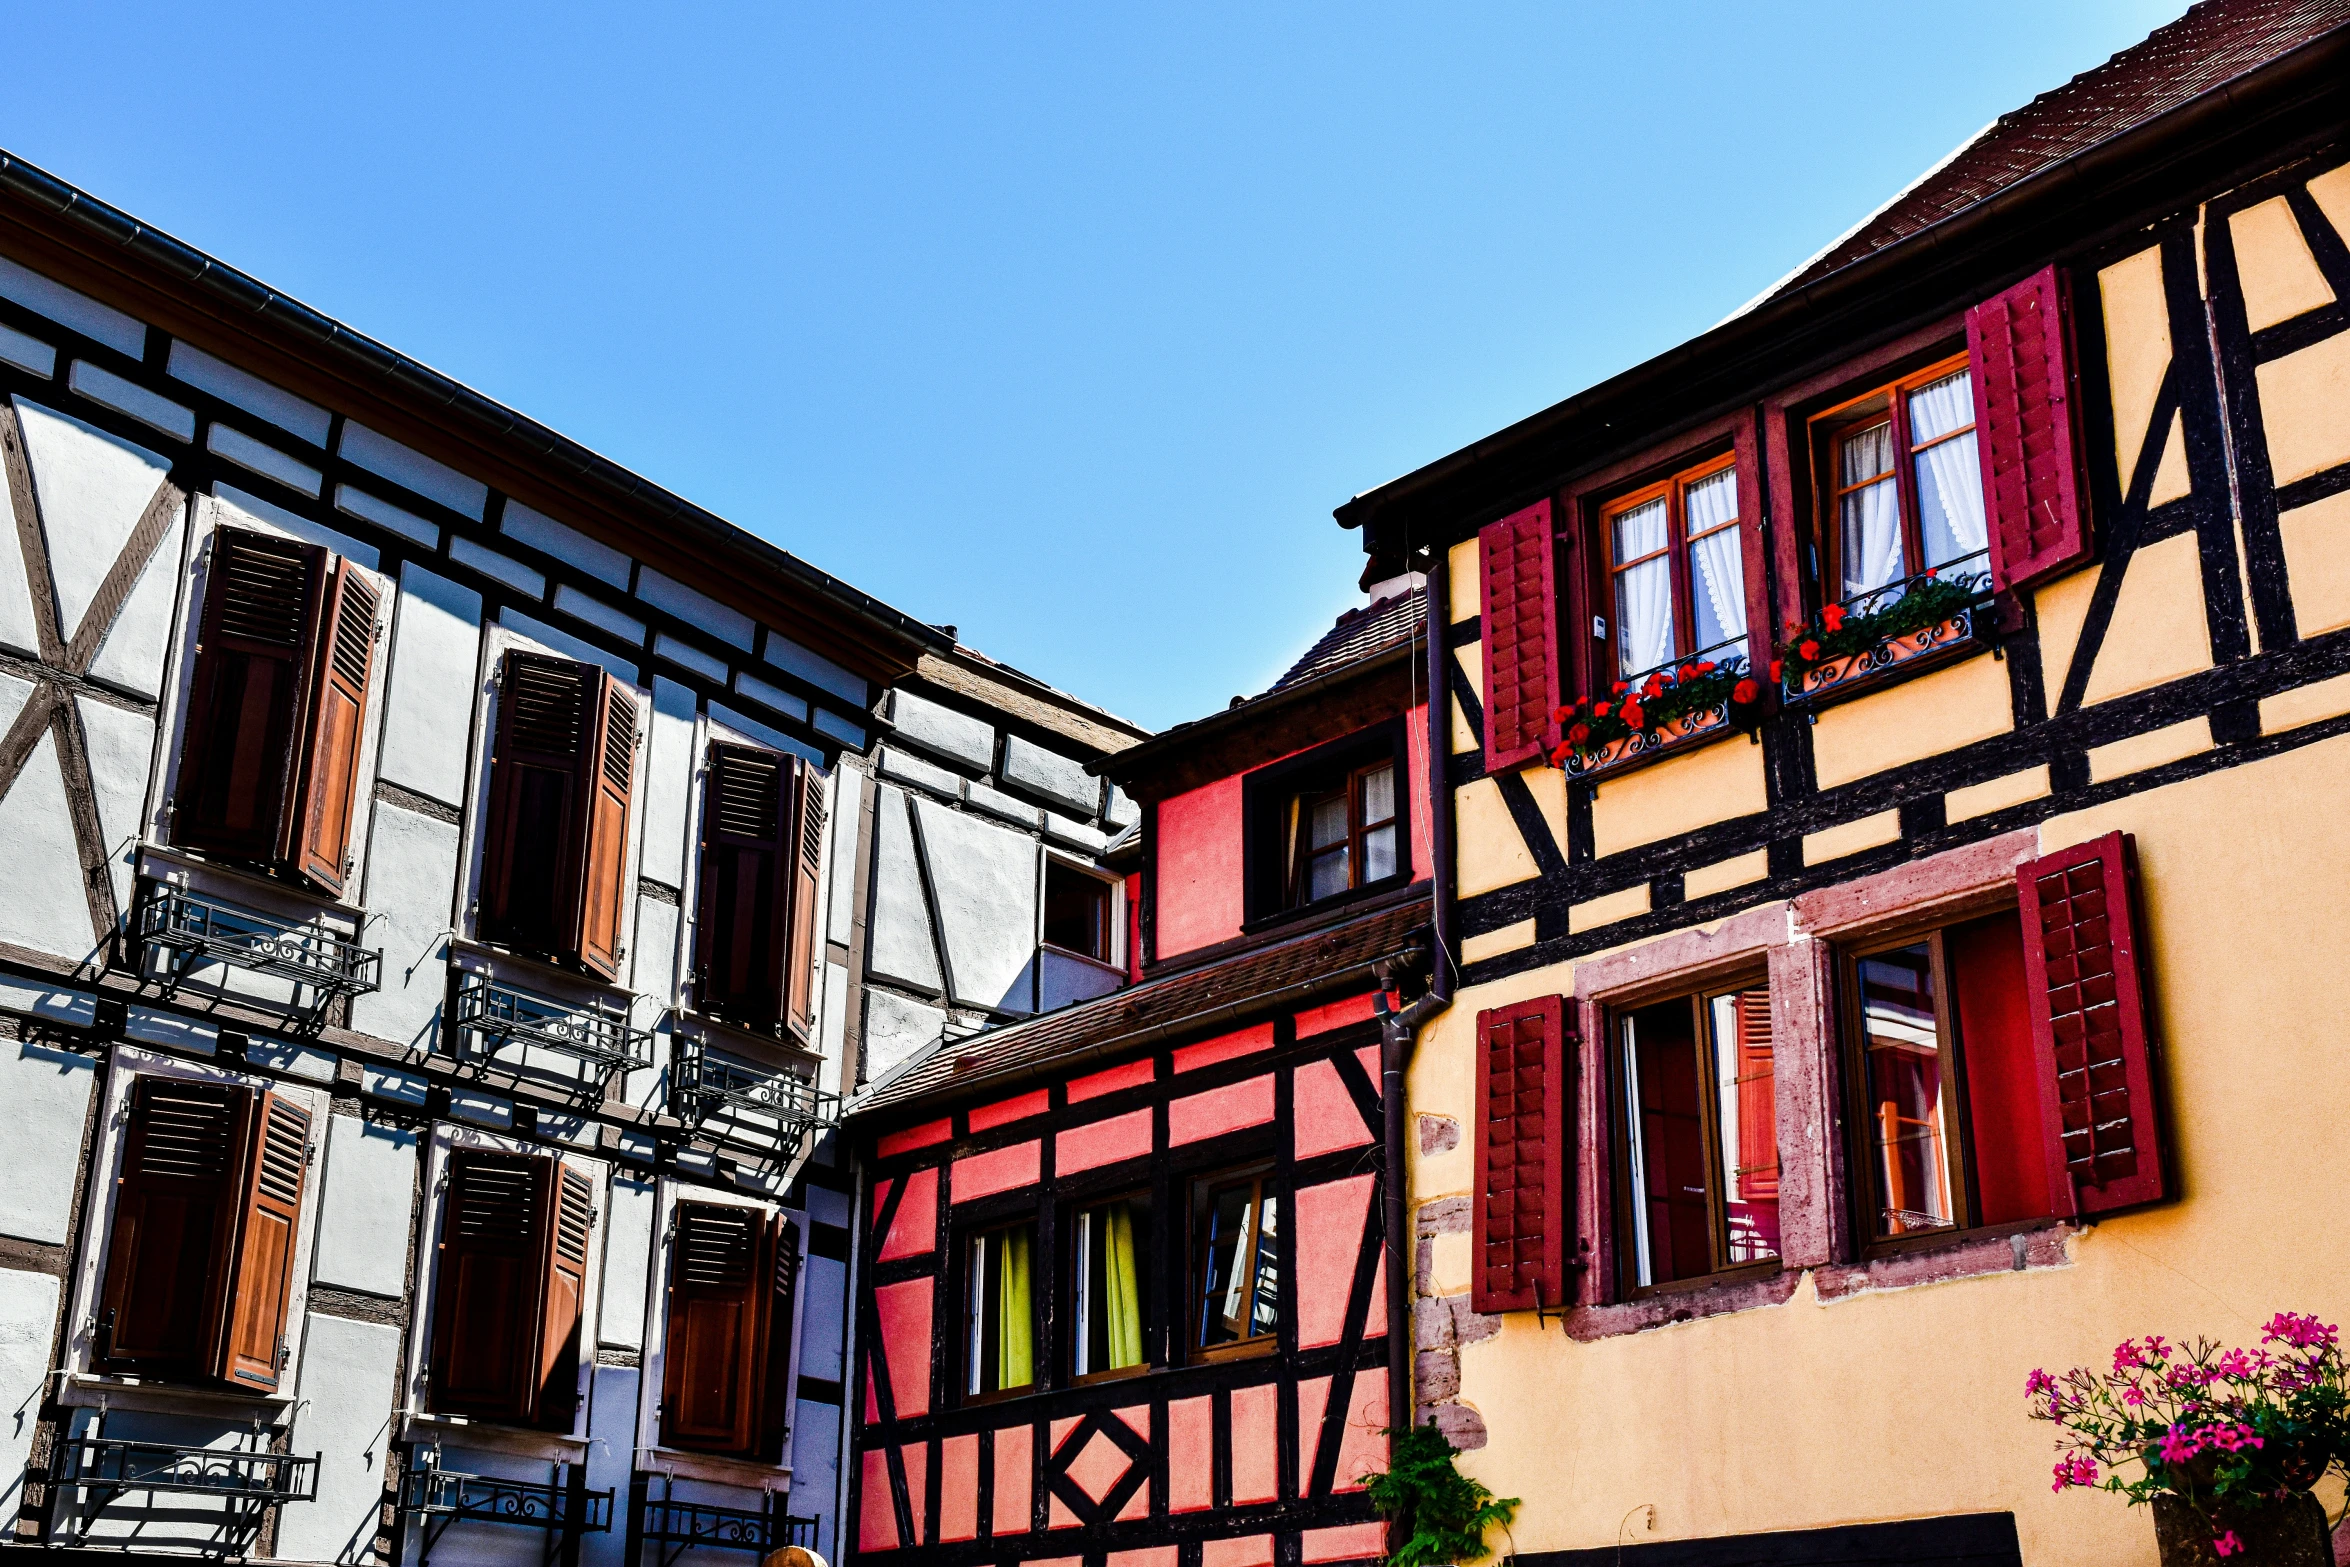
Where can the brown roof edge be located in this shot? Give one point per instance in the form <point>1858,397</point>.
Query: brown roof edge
<point>2212,135</point>
<point>112,256</point>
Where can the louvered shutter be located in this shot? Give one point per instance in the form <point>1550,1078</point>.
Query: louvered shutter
<point>1519,636</point>
<point>555,1390</point>
<point>611,788</point>
<point>805,869</point>
<point>168,1256</point>
<point>488,1288</point>
<point>741,929</point>
<point>713,1351</point>
<point>2085,985</point>
<point>539,777</point>
<point>318,834</point>
<point>276,1163</point>
<point>1521,1227</point>
<point>1758,1104</point>
<point>775,1406</point>
<point>2027,431</point>
<point>254,648</point>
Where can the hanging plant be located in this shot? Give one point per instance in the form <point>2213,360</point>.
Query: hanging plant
<point>1440,1514</point>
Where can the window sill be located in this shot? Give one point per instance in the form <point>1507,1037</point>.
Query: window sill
<point>1086,958</point>
<point>1661,1308</point>
<point>1330,905</point>
<point>461,1432</point>
<point>234,882</point>
<point>678,1462</point>
<point>2023,1247</point>
<point>1685,733</point>
<point>98,1390</point>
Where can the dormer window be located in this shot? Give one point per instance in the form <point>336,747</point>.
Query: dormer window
<point>1341,838</point>
<point>1327,825</point>
<point>1907,487</point>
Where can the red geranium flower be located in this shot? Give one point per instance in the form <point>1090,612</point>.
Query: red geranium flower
<point>1622,686</point>
<point>1652,686</point>
<point>1562,715</point>
<point>1600,711</point>
<point>1929,571</point>
<point>1579,733</point>
<point>1746,691</point>
<point>1558,755</point>
<point>1807,650</point>
<point>1685,672</point>
<point>1833,618</point>
<point>1775,667</point>
<point>1705,666</point>
<point>1633,717</point>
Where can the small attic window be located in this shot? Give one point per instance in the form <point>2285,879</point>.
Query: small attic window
<point>1327,825</point>
<point>1077,911</point>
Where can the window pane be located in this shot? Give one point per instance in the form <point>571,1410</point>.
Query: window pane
<point>1001,1311</point>
<point>1238,1254</point>
<point>1113,1270</point>
<point>1328,875</point>
<point>1868,520</point>
<point>1718,569</point>
<point>1378,853</point>
<point>1747,1112</point>
<point>1644,616</point>
<point>1710,502</point>
<point>1940,407</point>
<point>1950,481</point>
<point>1671,1221</point>
<point>1328,822</point>
<point>1265,1312</point>
<point>1076,911</point>
<point>1984,960</point>
<point>1379,795</point>
<point>1640,531</point>
<point>1908,1135</point>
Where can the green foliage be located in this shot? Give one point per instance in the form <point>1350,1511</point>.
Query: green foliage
<point>1441,1513</point>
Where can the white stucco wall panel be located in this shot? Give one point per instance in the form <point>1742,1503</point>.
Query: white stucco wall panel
<point>611,1416</point>
<point>350,1371</point>
<point>131,655</point>
<point>436,647</point>
<point>411,884</point>
<point>902,947</point>
<point>986,881</point>
<point>122,750</point>
<point>628,1251</point>
<point>45,908</point>
<point>93,488</point>
<point>28,1319</point>
<point>47,1093</point>
<point>366,1207</point>
<point>896,1028</point>
<point>824,1319</point>
<point>669,776</point>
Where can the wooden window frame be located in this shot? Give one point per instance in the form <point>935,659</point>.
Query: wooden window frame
<point>1113,913</point>
<point>1622,1131</point>
<point>960,1237</point>
<point>1824,434</point>
<point>1674,490</point>
<point>1263,1177</point>
<point>670,1195</point>
<point>1153,1340</point>
<point>1298,874</point>
<point>1266,792</point>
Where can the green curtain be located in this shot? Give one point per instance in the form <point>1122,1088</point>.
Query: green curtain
<point>1122,1304</point>
<point>1015,1316</point>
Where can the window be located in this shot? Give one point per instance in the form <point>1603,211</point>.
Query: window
<point>509,1281</point>
<point>269,768</point>
<point>1676,571</point>
<point>762,854</point>
<point>1343,837</point>
<point>1000,1311</point>
<point>726,1348</point>
<point>1699,1149</point>
<point>1327,824</point>
<point>1076,911</point>
<point>562,776</point>
<point>199,1262</point>
<point>1236,1268</point>
<point>1945,1084</point>
<point>1112,1242</point>
<point>1903,488</point>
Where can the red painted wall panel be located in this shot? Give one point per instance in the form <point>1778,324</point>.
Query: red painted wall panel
<point>1416,762</point>
<point>1015,1457</point>
<point>1000,1170</point>
<point>1256,1443</point>
<point>916,1458</point>
<point>928,1135</point>
<point>877,1518</point>
<point>1251,1550</point>
<point>1338,1014</point>
<point>1095,1084</point>
<point>1200,867</point>
<point>1347,1543</point>
<point>1325,1118</point>
<point>1227,1047</point>
<point>1097,1143</point>
<point>1221,1110</point>
<point>1005,1111</point>
<point>914,1232</point>
<point>1154,1556</point>
<point>958,1488</point>
<point>1329,1239</point>
<point>903,1310</point>
<point>1362,1449</point>
<point>1191,1452</point>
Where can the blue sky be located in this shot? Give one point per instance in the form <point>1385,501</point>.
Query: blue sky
<point>1064,325</point>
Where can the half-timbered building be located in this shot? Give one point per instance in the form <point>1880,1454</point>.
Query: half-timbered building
<point>1124,1295</point>
<point>1895,783</point>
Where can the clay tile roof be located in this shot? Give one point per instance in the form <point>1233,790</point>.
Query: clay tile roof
<point>1215,994</point>
<point>2209,46</point>
<point>1358,634</point>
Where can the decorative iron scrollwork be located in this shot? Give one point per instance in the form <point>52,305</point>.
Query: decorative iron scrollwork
<point>178,930</point>
<point>600,1037</point>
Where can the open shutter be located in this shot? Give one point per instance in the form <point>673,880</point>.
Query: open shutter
<point>487,1289</point>
<point>318,833</point>
<point>713,1351</point>
<point>167,1258</point>
<point>278,1156</point>
<point>1758,1100</point>
<point>609,786</point>
<point>1519,634</point>
<point>531,859</point>
<point>783,1286</point>
<point>555,1403</point>
<point>740,930</point>
<point>805,867</point>
<point>254,649</point>
<point>2082,964</point>
<point>1522,1219</point>
<point>2027,431</point>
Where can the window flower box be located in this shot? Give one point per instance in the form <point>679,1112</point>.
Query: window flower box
<point>1925,618</point>
<point>1666,709</point>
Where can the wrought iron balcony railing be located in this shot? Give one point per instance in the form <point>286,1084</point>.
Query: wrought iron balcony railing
<point>1924,617</point>
<point>599,1037</point>
<point>438,1497</point>
<point>107,1469</point>
<point>181,929</point>
<point>703,1083</point>
<point>674,1527</point>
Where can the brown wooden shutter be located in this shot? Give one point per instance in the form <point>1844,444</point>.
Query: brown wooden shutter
<point>783,1279</point>
<point>742,929</point>
<point>806,868</point>
<point>556,1387</point>
<point>2027,431</point>
<point>1522,1221</point>
<point>318,833</point>
<point>168,1256</point>
<point>610,789</point>
<point>489,1286</point>
<point>1519,633</point>
<point>246,713</point>
<point>713,1354</point>
<point>277,1160</point>
<point>2086,989</point>
<point>532,857</point>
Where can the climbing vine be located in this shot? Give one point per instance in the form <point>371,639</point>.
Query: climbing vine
<point>1440,1514</point>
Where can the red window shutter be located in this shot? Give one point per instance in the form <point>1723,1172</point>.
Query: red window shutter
<point>1519,634</point>
<point>740,935</point>
<point>277,1161</point>
<point>2027,431</point>
<point>609,788</point>
<point>1522,1223</point>
<point>2086,991</point>
<point>318,832</point>
<point>563,1290</point>
<point>783,1285</point>
<point>805,868</point>
<point>488,1286</point>
<point>531,858</point>
<point>1758,1102</point>
<point>713,1353</point>
<point>168,1257</point>
<point>254,648</point>
<point>1991,992</point>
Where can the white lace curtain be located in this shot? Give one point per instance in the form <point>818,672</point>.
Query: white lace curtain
<point>1869,518</point>
<point>1716,564</point>
<point>1644,594</point>
<point>1950,479</point>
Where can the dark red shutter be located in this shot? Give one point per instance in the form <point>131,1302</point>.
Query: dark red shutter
<point>318,832</point>
<point>1522,1223</point>
<point>713,1352</point>
<point>805,868</point>
<point>2027,431</point>
<point>741,934</point>
<point>775,1406</point>
<point>277,1161</point>
<point>1519,634</point>
<point>532,853</point>
<point>2084,983</point>
<point>610,788</point>
<point>488,1288</point>
<point>563,1292</point>
<point>168,1258</point>
<point>254,648</point>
